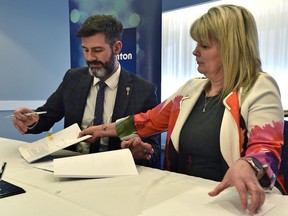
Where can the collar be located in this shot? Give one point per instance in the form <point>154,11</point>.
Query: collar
<point>112,81</point>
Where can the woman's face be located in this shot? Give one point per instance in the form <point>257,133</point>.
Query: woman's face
<point>209,60</point>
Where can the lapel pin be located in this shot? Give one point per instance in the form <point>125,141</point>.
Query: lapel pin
<point>127,90</point>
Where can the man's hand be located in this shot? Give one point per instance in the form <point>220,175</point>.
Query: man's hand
<point>242,176</point>
<point>22,122</point>
<point>138,148</point>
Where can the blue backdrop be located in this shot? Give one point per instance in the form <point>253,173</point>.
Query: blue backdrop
<point>142,33</point>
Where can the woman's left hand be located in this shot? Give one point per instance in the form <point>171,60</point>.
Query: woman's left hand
<point>138,148</point>
<point>242,176</point>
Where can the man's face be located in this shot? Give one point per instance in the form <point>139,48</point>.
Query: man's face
<point>98,55</point>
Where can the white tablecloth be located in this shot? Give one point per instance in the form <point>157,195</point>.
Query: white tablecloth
<point>123,196</point>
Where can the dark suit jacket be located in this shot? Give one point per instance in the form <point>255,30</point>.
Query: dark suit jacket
<point>69,101</point>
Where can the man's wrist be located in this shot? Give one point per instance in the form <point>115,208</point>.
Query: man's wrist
<point>30,127</point>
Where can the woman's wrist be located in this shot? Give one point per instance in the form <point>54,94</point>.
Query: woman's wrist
<point>108,130</point>
<point>124,128</point>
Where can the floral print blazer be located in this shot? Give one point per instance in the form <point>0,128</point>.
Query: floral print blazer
<point>260,110</point>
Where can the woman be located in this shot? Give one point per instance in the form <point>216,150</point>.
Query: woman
<point>228,127</point>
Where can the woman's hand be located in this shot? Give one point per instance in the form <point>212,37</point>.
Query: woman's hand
<point>22,122</point>
<point>94,131</point>
<point>138,148</point>
<point>99,131</point>
<point>242,176</point>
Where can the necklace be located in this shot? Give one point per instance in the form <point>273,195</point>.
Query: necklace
<point>206,103</point>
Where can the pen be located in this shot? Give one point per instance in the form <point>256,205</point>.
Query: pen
<point>2,170</point>
<point>28,114</point>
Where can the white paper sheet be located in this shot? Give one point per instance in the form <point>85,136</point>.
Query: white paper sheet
<point>197,202</point>
<point>47,164</point>
<point>97,165</point>
<point>50,144</point>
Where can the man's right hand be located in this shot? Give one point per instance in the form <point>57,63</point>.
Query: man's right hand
<point>22,122</point>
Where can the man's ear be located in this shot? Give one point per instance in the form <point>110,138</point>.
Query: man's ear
<point>117,47</point>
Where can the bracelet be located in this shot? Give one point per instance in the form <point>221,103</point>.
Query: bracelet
<point>32,126</point>
<point>256,165</point>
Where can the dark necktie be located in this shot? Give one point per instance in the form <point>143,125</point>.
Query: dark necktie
<point>98,114</point>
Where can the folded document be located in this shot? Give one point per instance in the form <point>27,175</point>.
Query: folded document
<point>51,143</point>
<point>97,165</point>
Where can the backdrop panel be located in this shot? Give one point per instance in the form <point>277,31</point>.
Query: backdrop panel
<point>141,52</point>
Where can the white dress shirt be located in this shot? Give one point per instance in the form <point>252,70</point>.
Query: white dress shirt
<point>109,101</point>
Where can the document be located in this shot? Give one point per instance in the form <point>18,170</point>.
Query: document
<point>47,166</point>
<point>98,165</point>
<point>197,202</point>
<point>51,143</point>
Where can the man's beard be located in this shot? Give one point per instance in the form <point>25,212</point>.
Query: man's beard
<point>105,71</point>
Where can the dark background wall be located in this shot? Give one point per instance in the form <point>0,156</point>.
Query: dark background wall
<point>34,41</point>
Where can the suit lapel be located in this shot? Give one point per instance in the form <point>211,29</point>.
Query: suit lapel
<point>125,88</point>
<point>230,140</point>
<point>84,88</point>
<point>186,106</point>
<point>190,92</point>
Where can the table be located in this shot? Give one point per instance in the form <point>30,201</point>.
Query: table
<point>123,196</point>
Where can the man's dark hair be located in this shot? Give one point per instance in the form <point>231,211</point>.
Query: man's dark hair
<point>106,24</point>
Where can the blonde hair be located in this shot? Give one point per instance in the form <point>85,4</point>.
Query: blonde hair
<point>234,29</point>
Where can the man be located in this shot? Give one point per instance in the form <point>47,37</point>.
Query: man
<point>75,98</point>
